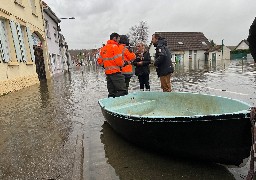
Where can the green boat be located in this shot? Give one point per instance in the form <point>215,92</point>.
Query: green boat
<point>190,125</point>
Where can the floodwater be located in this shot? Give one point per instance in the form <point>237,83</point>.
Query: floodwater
<point>56,130</point>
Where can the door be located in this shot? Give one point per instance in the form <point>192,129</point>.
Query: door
<point>39,61</point>
<point>213,56</point>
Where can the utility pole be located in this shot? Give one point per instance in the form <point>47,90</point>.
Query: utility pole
<point>222,44</point>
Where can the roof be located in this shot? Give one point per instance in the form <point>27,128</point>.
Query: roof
<point>50,13</point>
<point>180,41</point>
<point>245,41</point>
<point>215,48</point>
<point>231,47</point>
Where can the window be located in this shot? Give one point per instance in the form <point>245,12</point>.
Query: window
<point>181,43</point>
<point>55,34</point>
<point>53,62</point>
<point>48,35</point>
<point>21,35</point>
<point>4,44</point>
<point>18,39</point>
<point>31,43</point>
<point>190,54</point>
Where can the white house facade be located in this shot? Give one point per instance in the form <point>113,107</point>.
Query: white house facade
<point>244,44</point>
<point>57,47</point>
<point>217,53</point>
<point>52,34</point>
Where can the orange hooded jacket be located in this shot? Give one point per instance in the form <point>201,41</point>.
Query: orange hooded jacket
<point>111,57</point>
<point>127,56</point>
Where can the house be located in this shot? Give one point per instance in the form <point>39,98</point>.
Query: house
<point>185,46</point>
<point>244,44</point>
<point>218,52</point>
<point>64,54</point>
<point>22,45</point>
<point>241,51</point>
<point>55,41</point>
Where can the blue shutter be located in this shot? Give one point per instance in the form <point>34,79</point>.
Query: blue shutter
<point>1,42</point>
<point>4,46</point>
<point>16,40</point>
<point>31,43</point>
<point>21,42</point>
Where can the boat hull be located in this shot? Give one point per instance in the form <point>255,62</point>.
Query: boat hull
<point>222,139</point>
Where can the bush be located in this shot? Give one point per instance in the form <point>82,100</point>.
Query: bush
<point>238,51</point>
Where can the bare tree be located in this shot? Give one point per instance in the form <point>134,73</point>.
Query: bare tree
<point>138,33</point>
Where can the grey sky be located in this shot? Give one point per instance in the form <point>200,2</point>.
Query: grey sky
<point>97,19</point>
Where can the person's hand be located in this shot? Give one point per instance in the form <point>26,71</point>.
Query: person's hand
<point>140,63</point>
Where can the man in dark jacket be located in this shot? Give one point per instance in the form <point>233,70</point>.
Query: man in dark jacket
<point>163,63</point>
<point>252,39</point>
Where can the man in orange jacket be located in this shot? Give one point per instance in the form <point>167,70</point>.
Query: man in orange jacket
<point>127,57</point>
<point>110,59</point>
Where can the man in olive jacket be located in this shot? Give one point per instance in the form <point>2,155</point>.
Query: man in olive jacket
<point>163,63</point>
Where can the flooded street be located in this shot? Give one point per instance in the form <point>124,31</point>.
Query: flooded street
<point>56,130</point>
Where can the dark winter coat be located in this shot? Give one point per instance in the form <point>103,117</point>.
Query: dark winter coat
<point>144,67</point>
<point>163,60</point>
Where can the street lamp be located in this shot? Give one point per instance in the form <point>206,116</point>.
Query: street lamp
<point>68,18</point>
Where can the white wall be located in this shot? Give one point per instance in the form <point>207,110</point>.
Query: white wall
<point>226,54</point>
<point>184,55</point>
<point>243,45</point>
<point>53,46</point>
<point>53,43</point>
<point>196,55</point>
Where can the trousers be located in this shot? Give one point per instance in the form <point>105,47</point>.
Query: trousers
<point>166,83</point>
<point>116,85</point>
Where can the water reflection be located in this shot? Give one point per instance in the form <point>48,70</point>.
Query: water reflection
<point>33,131</point>
<point>131,162</point>
<point>44,93</point>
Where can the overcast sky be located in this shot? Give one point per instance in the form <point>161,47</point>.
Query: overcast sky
<point>95,20</point>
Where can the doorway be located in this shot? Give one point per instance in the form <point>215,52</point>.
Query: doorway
<point>213,56</point>
<point>39,61</point>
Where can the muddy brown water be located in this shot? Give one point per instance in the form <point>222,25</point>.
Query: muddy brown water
<point>55,129</point>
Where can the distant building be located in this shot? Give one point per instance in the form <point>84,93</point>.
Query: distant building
<point>218,53</point>
<point>241,50</point>
<point>185,46</point>
<point>22,45</point>
<point>244,44</point>
<point>57,47</point>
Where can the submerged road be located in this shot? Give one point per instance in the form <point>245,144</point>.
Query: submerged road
<point>55,129</point>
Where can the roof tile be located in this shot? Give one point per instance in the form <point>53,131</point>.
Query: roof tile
<point>190,40</point>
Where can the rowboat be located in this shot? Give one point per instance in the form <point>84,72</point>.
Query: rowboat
<point>181,124</point>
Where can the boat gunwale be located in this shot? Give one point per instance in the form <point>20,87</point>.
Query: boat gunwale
<point>198,117</point>
<point>179,119</point>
